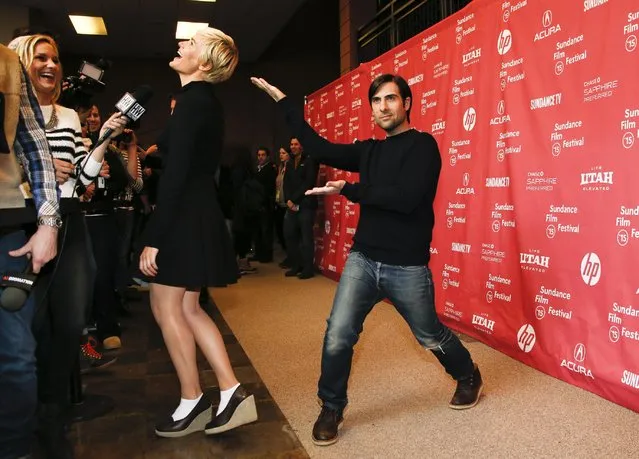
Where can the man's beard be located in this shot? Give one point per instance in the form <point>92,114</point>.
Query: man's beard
<point>389,127</point>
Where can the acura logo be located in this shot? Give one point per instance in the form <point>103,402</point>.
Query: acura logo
<point>580,352</point>
<point>501,107</point>
<point>547,18</point>
<point>466,178</point>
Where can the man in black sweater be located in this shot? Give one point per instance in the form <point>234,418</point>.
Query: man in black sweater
<point>391,250</point>
<point>266,174</point>
<point>300,176</point>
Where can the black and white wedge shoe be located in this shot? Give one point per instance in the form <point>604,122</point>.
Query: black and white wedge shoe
<point>240,410</point>
<point>194,422</point>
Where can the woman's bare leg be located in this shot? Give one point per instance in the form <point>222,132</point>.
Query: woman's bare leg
<point>166,304</point>
<point>209,339</point>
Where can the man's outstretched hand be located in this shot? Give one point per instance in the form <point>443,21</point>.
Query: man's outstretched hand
<point>269,89</point>
<point>333,187</point>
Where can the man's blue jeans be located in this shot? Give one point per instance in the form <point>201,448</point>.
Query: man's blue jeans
<point>363,284</point>
<point>18,390</point>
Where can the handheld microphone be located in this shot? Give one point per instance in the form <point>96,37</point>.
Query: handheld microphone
<point>17,287</point>
<point>131,106</point>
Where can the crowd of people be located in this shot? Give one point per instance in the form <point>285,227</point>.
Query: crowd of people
<point>172,217</point>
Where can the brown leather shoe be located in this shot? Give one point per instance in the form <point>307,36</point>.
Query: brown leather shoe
<point>468,391</point>
<point>327,426</point>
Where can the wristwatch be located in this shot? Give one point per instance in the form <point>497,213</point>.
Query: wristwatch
<point>50,220</point>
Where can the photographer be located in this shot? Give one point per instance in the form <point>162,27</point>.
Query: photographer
<point>125,211</point>
<point>100,212</point>
<point>59,323</point>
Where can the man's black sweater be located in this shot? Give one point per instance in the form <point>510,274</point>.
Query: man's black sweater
<point>300,177</point>
<point>398,182</point>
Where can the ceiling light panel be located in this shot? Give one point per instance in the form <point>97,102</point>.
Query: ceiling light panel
<point>186,30</point>
<point>88,25</point>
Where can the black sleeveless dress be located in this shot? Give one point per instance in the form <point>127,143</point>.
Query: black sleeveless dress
<point>188,226</point>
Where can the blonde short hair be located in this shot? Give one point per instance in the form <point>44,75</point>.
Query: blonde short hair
<point>25,48</point>
<point>220,52</point>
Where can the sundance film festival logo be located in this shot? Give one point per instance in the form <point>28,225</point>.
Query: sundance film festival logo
<point>613,334</point>
<point>631,43</point>
<point>470,118</point>
<point>628,140</point>
<point>504,41</point>
<point>591,269</point>
<point>540,312</point>
<point>623,238</point>
<point>506,16</point>
<point>526,338</point>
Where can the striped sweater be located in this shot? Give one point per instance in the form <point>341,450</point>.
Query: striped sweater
<point>65,141</point>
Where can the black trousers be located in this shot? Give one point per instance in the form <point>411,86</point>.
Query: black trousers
<point>242,242</point>
<point>62,311</point>
<point>104,240</point>
<point>280,212</point>
<point>263,236</point>
<point>125,222</point>
<point>300,241</point>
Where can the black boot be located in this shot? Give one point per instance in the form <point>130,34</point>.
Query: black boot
<point>51,432</point>
<point>327,426</point>
<point>239,411</point>
<point>467,392</point>
<point>194,422</point>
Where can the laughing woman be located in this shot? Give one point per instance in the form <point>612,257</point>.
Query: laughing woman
<point>70,277</point>
<point>187,243</point>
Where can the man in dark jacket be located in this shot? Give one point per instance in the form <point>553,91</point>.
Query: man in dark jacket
<point>301,175</point>
<point>266,174</point>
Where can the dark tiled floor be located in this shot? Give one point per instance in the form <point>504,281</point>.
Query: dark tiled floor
<point>144,387</point>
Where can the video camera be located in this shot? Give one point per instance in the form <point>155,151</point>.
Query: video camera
<point>77,90</point>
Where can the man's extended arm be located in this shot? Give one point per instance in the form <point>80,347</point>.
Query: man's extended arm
<point>401,197</point>
<point>340,156</point>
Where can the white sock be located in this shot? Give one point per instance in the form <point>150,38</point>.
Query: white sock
<point>185,408</point>
<point>225,398</point>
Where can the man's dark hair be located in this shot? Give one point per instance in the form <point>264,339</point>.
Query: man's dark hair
<point>268,152</point>
<point>404,89</point>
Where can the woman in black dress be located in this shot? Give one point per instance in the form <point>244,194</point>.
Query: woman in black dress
<point>187,245</point>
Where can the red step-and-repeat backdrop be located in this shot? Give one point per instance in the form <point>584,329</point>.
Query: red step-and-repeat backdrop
<point>535,107</point>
